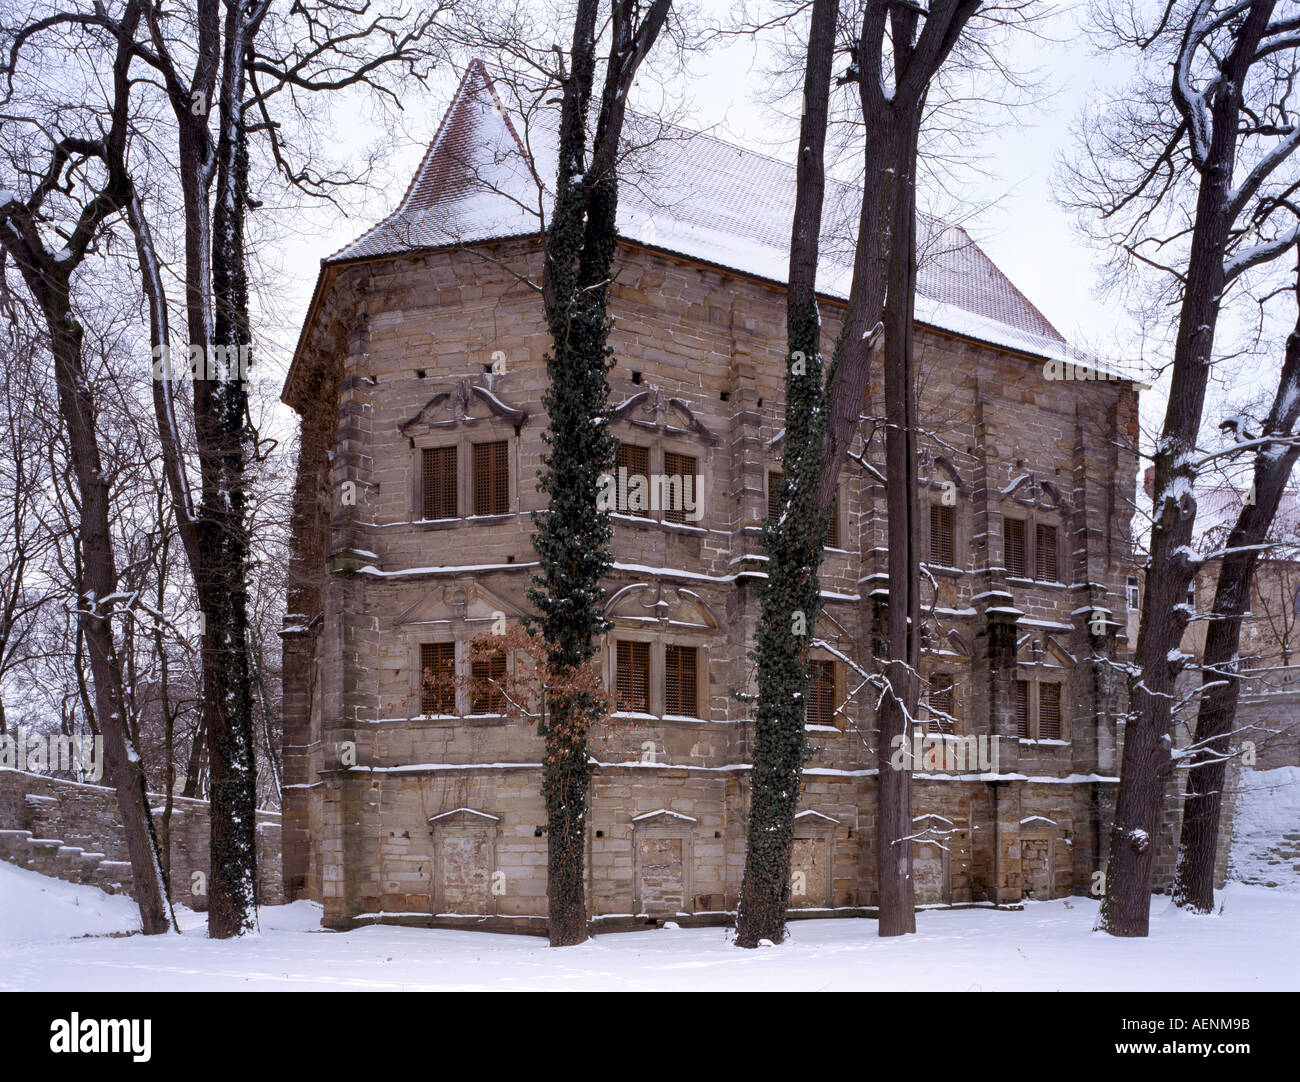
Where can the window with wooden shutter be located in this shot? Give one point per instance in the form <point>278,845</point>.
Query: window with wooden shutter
<point>833,529</point>
<point>636,460</point>
<point>941,539</point>
<point>821,693</point>
<point>1013,546</point>
<point>632,676</point>
<point>679,681</point>
<point>1047,565</point>
<point>488,675</point>
<point>774,482</point>
<point>438,678</point>
<point>681,487</point>
<point>1022,709</point>
<point>941,716</point>
<point>1049,711</point>
<point>492,478</point>
<point>439,482</point>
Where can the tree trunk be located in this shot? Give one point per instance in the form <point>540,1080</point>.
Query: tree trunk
<point>897,895</point>
<point>1215,720</point>
<point>791,599</point>
<point>99,581</point>
<point>1147,760</point>
<point>227,699</point>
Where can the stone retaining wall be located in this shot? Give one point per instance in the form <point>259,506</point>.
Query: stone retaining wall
<point>73,831</point>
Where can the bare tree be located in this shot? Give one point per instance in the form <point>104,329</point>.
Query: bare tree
<point>1274,459</point>
<point>1216,137</point>
<point>77,173</point>
<point>898,51</point>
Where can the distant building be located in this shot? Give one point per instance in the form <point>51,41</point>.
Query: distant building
<point>1268,712</point>
<point>418,379</point>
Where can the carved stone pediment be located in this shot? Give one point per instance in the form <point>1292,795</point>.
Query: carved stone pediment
<point>663,817</point>
<point>1044,650</point>
<point>1029,490</point>
<point>464,403</point>
<point>662,606</point>
<point>650,410</point>
<point>466,817</point>
<point>469,607</point>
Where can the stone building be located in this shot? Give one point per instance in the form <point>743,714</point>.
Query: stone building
<point>418,379</point>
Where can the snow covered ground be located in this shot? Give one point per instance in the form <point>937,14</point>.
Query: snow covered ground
<point>1253,945</point>
<point>1268,809</point>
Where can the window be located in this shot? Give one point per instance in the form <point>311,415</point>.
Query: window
<point>1133,594</point>
<point>439,482</point>
<point>636,460</point>
<point>681,487</point>
<point>774,480</point>
<point>487,675</point>
<point>774,495</point>
<point>1297,600</point>
<point>632,676</point>
<point>438,678</point>
<point>1013,544</point>
<point>1191,595</point>
<point>821,693</point>
<point>679,681</point>
<point>941,715</point>
<point>941,539</point>
<point>1047,567</point>
<point>492,478</point>
<point>1049,711</point>
<point>1022,709</point>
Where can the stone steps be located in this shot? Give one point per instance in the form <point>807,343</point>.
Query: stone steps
<point>71,863</point>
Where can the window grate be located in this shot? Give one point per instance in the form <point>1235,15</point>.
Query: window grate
<point>439,482</point>
<point>632,676</point>
<point>1013,546</point>
<point>1049,711</point>
<point>941,701</point>
<point>681,486</point>
<point>488,674</point>
<point>1047,565</point>
<point>1022,709</point>
<point>492,478</point>
<point>679,681</point>
<point>941,539</point>
<point>636,460</point>
<point>438,678</point>
<point>821,694</point>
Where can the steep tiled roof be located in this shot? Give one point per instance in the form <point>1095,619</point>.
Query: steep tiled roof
<point>686,193</point>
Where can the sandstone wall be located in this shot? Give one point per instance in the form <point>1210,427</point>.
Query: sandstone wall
<point>73,831</point>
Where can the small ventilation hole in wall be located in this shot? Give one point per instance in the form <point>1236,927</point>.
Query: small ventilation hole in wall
<point>636,377</point>
<point>419,373</point>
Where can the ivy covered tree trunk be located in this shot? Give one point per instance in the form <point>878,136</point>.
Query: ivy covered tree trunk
<point>790,600</point>
<point>1216,718</point>
<point>221,401</point>
<point>573,533</point>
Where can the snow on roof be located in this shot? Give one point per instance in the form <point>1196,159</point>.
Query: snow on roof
<point>1217,510</point>
<point>691,194</point>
